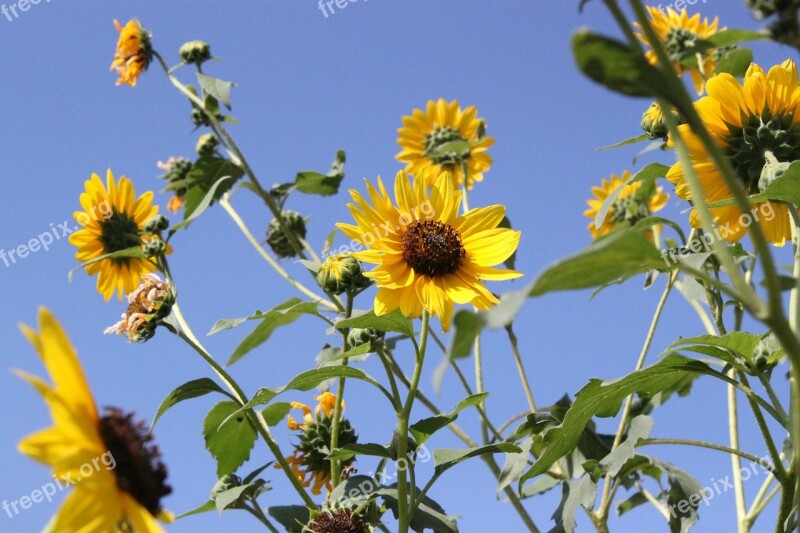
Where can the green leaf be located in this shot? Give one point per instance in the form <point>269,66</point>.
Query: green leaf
<point>514,465</point>
<point>207,172</point>
<point>650,173</point>
<point>735,62</point>
<point>283,314</point>
<point>219,89</point>
<point>739,342</point>
<point>351,450</point>
<point>426,427</point>
<point>631,503</point>
<point>633,140</point>
<point>576,493</point>
<point>620,254</point>
<point>190,389</point>
<point>354,491</point>
<point>617,67</point>
<point>730,37</point>
<point>639,429</point>
<point>292,517</point>
<point>467,327</point>
<point>362,349</point>
<point>429,514</point>
<point>445,459</point>
<point>394,322</point>
<point>206,507</point>
<point>229,437</point>
<point>310,182</point>
<point>604,399</point>
<point>134,251</point>
<point>274,413</point>
<point>230,497</point>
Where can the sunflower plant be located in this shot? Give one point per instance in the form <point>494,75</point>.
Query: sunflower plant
<point>415,271</point>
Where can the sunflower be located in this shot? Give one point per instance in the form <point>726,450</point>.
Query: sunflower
<point>678,34</point>
<point>442,138</point>
<point>428,256</point>
<point>627,209</point>
<point>114,468</point>
<point>133,54</point>
<point>112,220</point>
<point>746,120</point>
<point>309,460</point>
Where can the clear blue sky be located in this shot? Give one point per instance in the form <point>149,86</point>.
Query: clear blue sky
<point>307,86</point>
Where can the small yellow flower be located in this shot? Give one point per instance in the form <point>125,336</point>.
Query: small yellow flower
<point>746,119</point>
<point>428,256</point>
<point>679,33</point>
<point>443,137</point>
<point>627,209</point>
<point>112,220</point>
<point>133,54</point>
<point>118,477</point>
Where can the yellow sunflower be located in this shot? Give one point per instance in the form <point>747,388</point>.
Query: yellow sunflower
<point>627,209</point>
<point>113,467</point>
<point>112,220</point>
<point>309,460</point>
<point>133,54</point>
<point>679,33</point>
<point>746,120</point>
<point>428,256</point>
<point>441,138</point>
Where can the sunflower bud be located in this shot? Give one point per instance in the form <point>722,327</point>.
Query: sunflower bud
<point>280,243</point>
<point>341,273</point>
<point>764,8</point>
<point>148,306</point>
<point>358,336</point>
<point>155,247</point>
<point>155,225</point>
<point>206,145</point>
<point>773,169</point>
<point>195,52</point>
<point>653,122</point>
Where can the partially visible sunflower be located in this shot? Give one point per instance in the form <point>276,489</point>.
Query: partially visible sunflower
<point>133,54</point>
<point>112,220</point>
<point>746,120</point>
<point>123,491</point>
<point>678,34</point>
<point>443,137</point>
<point>428,256</point>
<point>627,209</point>
<point>309,460</point>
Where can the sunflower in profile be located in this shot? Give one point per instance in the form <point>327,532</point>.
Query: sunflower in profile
<point>633,204</point>
<point>309,460</point>
<point>133,54</point>
<point>112,220</point>
<point>678,34</point>
<point>443,138</point>
<point>114,468</point>
<point>747,120</point>
<point>428,256</point>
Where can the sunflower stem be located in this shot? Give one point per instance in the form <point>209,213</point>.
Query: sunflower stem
<point>794,380</point>
<point>404,505</point>
<point>709,446</point>
<point>523,376</point>
<point>226,205</point>
<point>336,465</point>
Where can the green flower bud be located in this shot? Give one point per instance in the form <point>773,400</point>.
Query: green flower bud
<point>653,122</point>
<point>358,336</point>
<point>773,169</point>
<point>195,52</point>
<point>155,247</point>
<point>207,144</point>
<point>341,273</point>
<point>155,225</point>
<point>279,242</point>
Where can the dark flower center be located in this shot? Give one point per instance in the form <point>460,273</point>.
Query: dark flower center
<point>433,248</point>
<point>746,145</point>
<point>119,232</point>
<point>446,146</point>
<point>338,521</point>
<point>138,468</point>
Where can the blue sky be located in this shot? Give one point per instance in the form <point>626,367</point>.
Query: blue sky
<point>307,86</point>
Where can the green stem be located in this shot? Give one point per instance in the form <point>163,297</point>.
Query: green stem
<point>523,377</point>
<point>794,379</point>
<point>762,426</point>
<point>736,462</point>
<point>709,446</point>
<point>336,465</point>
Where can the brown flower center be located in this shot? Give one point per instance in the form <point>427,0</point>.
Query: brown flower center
<point>338,521</point>
<point>138,469</point>
<point>433,248</point>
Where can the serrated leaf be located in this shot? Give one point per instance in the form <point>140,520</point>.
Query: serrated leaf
<point>229,436</point>
<point>625,253</point>
<point>219,89</point>
<point>514,465</point>
<point>604,399</point>
<point>190,389</point>
<point>394,322</point>
<point>640,428</point>
<point>426,427</point>
<point>576,493</point>
<point>274,413</point>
